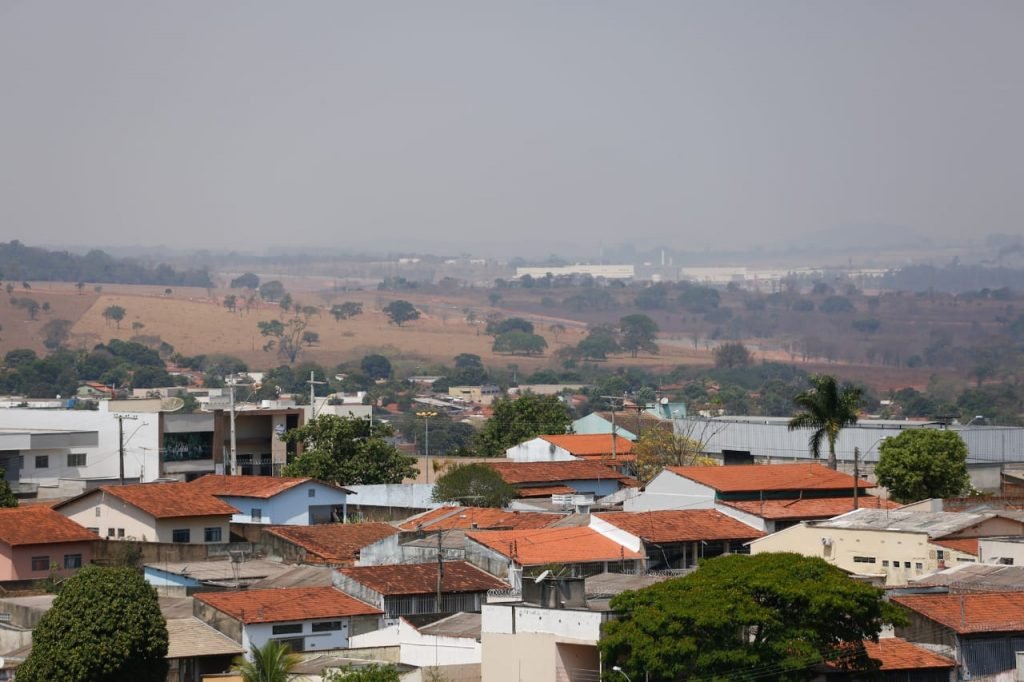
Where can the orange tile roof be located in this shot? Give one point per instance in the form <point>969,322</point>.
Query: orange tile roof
<point>756,477</point>
<point>404,579</point>
<point>970,613</point>
<point>286,604</point>
<point>807,508</point>
<point>553,546</point>
<point>37,525</point>
<point>484,518</point>
<point>164,500</point>
<point>545,491</point>
<point>518,473</point>
<point>965,545</point>
<point>689,525</point>
<point>582,445</point>
<point>895,653</point>
<point>262,487</point>
<point>333,542</point>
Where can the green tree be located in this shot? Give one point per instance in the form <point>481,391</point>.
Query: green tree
<point>231,302</point>
<point>660,448</point>
<point>310,338</point>
<point>827,408</point>
<point>286,337</point>
<point>247,280</point>
<point>499,326</point>
<point>515,421</point>
<point>55,333</point>
<point>732,354</point>
<point>104,626</point>
<point>343,311</point>
<point>285,302</point>
<point>599,343</point>
<point>7,498</point>
<point>29,305</point>
<point>836,304</point>
<point>477,485</point>
<point>515,342</point>
<point>115,313</point>
<point>348,451</point>
<point>376,366</point>
<point>922,463</point>
<point>272,290</point>
<point>399,312</point>
<point>744,618</point>
<point>270,663</point>
<point>637,333</point>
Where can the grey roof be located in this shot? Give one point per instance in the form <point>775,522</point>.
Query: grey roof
<point>607,584</point>
<point>450,539</point>
<point>935,524</point>
<point>188,637</point>
<point>298,576</point>
<point>465,625</point>
<point>976,578</point>
<point>221,570</point>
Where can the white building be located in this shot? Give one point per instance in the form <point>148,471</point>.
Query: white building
<point>276,499</point>
<point>454,640</point>
<point>55,453</point>
<point>597,271</point>
<point>305,618</point>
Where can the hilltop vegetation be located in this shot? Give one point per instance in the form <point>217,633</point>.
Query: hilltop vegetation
<point>27,263</point>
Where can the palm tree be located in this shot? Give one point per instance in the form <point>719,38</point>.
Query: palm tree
<point>270,663</point>
<point>828,408</point>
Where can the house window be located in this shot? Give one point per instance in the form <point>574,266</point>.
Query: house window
<point>906,564</point>
<point>40,563</point>
<point>885,563</point>
<point>294,643</point>
<point>211,534</point>
<point>312,492</point>
<point>256,514</point>
<point>863,559</point>
<point>42,461</point>
<point>72,561</point>
<point>289,629</point>
<point>181,535</point>
<point>93,530</point>
<point>940,554</point>
<point>120,532</point>
<point>919,566</point>
<point>76,459</point>
<point>98,512</point>
<point>111,532</point>
<point>327,626</point>
<point>1004,561</point>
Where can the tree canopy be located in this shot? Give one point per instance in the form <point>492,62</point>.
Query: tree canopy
<point>348,451</point>
<point>659,448</point>
<point>376,366</point>
<point>637,333</point>
<point>343,311</point>
<point>827,409</point>
<point>477,485</point>
<point>399,312</point>
<point>248,280</point>
<point>922,463</point>
<point>7,498</point>
<point>515,342</point>
<point>515,421</point>
<point>741,617</point>
<point>732,354</point>
<point>104,626</point>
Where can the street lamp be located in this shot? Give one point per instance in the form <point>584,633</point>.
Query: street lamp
<point>427,414</point>
<point>621,672</point>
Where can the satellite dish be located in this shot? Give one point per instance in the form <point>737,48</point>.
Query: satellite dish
<point>664,401</point>
<point>3,663</point>
<point>540,578</point>
<point>172,404</point>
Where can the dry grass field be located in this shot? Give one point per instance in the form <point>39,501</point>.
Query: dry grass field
<point>195,321</point>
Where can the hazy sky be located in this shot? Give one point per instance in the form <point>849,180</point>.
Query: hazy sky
<point>525,126</point>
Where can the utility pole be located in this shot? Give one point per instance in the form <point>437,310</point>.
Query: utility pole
<point>611,399</point>
<point>233,454</point>
<point>427,414</point>
<point>440,571</point>
<point>312,393</point>
<point>120,444</point>
<point>856,478</point>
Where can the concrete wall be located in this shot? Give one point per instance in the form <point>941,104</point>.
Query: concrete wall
<point>390,550</point>
<point>1001,550</point>
<point>218,620</point>
<point>16,563</point>
<point>669,491</point>
<point>390,502</point>
<point>538,450</point>
<point>258,634</point>
<point>486,559</point>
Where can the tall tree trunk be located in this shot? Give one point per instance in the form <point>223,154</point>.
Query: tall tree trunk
<point>832,455</point>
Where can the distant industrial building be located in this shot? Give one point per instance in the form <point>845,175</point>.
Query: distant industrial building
<point>603,271</point>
